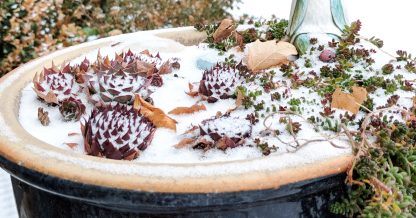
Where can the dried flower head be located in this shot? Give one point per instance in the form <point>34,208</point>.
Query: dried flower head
<point>116,131</point>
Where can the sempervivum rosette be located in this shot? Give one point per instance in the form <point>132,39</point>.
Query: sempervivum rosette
<point>116,131</point>
<point>53,85</point>
<point>226,131</point>
<point>128,74</point>
<point>71,109</point>
<point>221,80</point>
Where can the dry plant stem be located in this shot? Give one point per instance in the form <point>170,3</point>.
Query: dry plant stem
<point>296,140</point>
<point>382,50</point>
<point>362,148</point>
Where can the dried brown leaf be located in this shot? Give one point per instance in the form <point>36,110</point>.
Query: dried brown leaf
<point>224,30</point>
<point>73,134</point>
<point>71,145</point>
<point>191,92</point>
<point>188,110</point>
<point>185,142</point>
<point>263,55</point>
<point>154,114</point>
<point>349,102</point>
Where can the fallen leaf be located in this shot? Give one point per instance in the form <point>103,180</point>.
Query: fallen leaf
<point>72,145</point>
<point>191,92</point>
<point>154,114</point>
<point>240,97</point>
<point>239,39</point>
<point>349,102</point>
<point>224,30</point>
<point>188,110</point>
<point>184,142</point>
<point>73,134</point>
<point>263,55</point>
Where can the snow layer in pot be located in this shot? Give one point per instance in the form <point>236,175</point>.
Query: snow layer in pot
<point>216,110</point>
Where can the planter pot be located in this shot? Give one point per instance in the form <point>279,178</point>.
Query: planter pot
<point>51,182</point>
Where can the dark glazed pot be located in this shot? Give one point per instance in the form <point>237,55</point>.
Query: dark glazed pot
<point>52,182</point>
<point>40,195</point>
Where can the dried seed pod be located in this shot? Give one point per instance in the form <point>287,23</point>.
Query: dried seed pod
<point>221,80</point>
<point>116,131</point>
<point>72,109</point>
<point>53,85</point>
<point>43,117</point>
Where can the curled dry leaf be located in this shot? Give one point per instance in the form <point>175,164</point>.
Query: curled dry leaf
<point>71,145</point>
<point>263,55</point>
<point>185,142</point>
<point>73,134</point>
<point>154,114</point>
<point>43,117</point>
<point>188,110</point>
<point>191,92</point>
<point>349,102</point>
<point>225,29</point>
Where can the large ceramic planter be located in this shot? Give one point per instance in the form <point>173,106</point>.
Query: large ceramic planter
<point>51,182</point>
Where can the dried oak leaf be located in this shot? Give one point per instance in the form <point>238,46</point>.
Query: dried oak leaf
<point>349,102</point>
<point>43,116</point>
<point>225,29</point>
<point>185,142</point>
<point>188,110</point>
<point>154,114</point>
<point>263,55</point>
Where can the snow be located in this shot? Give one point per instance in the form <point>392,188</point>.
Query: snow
<point>389,20</point>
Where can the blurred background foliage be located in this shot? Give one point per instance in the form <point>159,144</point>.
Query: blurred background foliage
<point>32,28</point>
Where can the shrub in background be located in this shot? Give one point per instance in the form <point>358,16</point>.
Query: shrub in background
<point>31,28</point>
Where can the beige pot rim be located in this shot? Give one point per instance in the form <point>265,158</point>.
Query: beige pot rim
<point>18,146</point>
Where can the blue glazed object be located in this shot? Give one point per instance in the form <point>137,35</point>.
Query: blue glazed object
<point>309,17</point>
<point>203,64</point>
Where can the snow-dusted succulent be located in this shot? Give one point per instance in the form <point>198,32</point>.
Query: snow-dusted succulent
<point>221,80</point>
<point>116,131</point>
<point>128,74</point>
<point>53,85</point>
<point>71,109</point>
<point>220,132</point>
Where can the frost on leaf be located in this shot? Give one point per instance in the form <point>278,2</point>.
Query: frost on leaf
<point>263,55</point>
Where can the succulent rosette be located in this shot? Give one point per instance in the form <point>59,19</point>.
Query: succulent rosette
<point>221,80</point>
<point>53,85</point>
<point>71,109</point>
<point>226,131</point>
<point>116,131</point>
<point>128,74</point>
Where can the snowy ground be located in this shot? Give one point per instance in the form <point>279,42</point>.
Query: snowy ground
<point>388,20</point>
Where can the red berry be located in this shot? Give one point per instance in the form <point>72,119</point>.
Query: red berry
<point>327,56</point>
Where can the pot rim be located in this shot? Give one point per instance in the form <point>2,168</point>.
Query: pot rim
<point>20,147</point>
